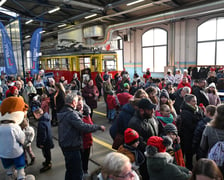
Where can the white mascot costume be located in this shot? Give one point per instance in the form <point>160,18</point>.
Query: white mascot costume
<point>12,111</point>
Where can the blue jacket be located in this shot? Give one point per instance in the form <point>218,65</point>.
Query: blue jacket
<point>71,127</point>
<point>44,135</point>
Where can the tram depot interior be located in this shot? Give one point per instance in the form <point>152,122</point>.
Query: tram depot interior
<point>155,34</point>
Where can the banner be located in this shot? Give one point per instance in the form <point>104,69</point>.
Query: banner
<point>10,64</point>
<point>35,50</point>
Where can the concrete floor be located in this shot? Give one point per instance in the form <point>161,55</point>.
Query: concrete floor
<point>98,152</point>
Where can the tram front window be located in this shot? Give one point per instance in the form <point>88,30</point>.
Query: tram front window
<point>109,65</point>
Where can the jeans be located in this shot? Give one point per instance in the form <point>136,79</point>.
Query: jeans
<point>73,164</point>
<point>47,155</point>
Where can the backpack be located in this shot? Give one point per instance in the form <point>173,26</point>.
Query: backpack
<point>217,153</point>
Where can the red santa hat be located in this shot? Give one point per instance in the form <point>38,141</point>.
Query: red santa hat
<point>13,109</point>
<point>159,143</point>
<point>12,89</point>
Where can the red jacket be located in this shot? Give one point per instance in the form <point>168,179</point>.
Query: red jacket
<point>87,137</point>
<point>124,98</point>
<point>181,85</point>
<point>111,102</point>
<point>146,76</point>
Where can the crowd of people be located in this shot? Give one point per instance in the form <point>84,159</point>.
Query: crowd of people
<point>159,124</point>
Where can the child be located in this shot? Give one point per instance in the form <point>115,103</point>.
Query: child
<point>129,148</point>
<point>209,115</point>
<point>29,136</point>
<point>44,137</point>
<point>164,115</point>
<point>45,103</point>
<point>86,137</point>
<point>112,103</point>
<point>170,130</point>
<point>12,137</point>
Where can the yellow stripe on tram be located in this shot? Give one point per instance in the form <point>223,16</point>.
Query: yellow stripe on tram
<point>102,143</point>
<point>100,113</point>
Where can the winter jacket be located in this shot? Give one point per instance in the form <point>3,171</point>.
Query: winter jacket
<point>111,102</point>
<point>44,134</point>
<point>201,96</point>
<point>91,101</point>
<point>145,128</point>
<point>214,99</point>
<point>189,118</point>
<point>71,127</point>
<point>107,87</point>
<point>181,85</point>
<point>160,167</point>
<point>209,138</point>
<point>87,137</point>
<point>121,123</point>
<point>178,101</point>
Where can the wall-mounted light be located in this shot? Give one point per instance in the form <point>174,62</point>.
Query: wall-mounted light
<point>54,10</point>
<point>134,2</point>
<point>28,22</point>
<point>62,25</point>
<point>28,36</point>
<point>90,16</point>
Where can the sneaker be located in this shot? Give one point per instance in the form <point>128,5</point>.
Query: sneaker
<point>44,163</point>
<point>32,161</point>
<point>46,168</point>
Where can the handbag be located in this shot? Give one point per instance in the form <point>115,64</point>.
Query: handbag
<point>118,140</point>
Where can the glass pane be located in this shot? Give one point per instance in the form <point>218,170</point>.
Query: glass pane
<point>220,28</point>
<point>147,60</point>
<point>206,53</point>
<point>220,53</point>
<point>207,30</point>
<point>120,60</point>
<point>64,64</point>
<point>147,38</point>
<point>160,37</point>
<point>160,58</point>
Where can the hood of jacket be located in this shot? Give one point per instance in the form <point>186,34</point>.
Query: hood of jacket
<point>159,161</point>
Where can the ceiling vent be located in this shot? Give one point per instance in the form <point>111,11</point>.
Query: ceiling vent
<point>93,31</point>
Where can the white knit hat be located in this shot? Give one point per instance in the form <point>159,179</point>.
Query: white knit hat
<point>212,85</point>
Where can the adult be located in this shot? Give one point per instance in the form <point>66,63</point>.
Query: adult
<point>147,75</point>
<point>39,84</point>
<point>184,83</point>
<point>152,93</point>
<point>206,169</point>
<point>90,94</point>
<point>178,77</point>
<point>70,128</point>
<point>169,77</point>
<point>124,96</point>
<point>213,132</point>
<point>190,116</point>
<point>199,92</point>
<point>30,90</point>
<point>107,88</point>
<point>20,87</point>
<point>211,77</point>
<point>185,74</point>
<point>28,77</point>
<point>179,98</point>
<point>99,84</point>
<point>117,166</point>
<point>146,125</point>
<point>160,163</point>
<point>76,81</point>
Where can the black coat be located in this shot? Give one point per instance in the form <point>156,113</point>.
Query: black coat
<point>178,101</point>
<point>189,118</point>
<point>201,96</point>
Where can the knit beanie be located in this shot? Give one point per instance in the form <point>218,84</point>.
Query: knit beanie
<point>130,136</point>
<point>164,93</point>
<point>212,85</point>
<point>12,89</point>
<point>170,128</point>
<point>14,109</point>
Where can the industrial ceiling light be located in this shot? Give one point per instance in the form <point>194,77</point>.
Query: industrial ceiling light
<point>62,25</point>
<point>42,31</point>
<point>8,12</point>
<point>2,2</point>
<point>28,22</point>
<point>54,10</point>
<point>92,15</point>
<point>134,2</point>
<point>28,36</point>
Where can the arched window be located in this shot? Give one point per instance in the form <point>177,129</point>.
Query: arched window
<point>210,42</point>
<point>154,50</point>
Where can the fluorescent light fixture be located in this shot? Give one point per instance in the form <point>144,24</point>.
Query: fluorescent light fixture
<point>8,12</point>
<point>42,32</point>
<point>2,2</point>
<point>134,2</point>
<point>54,10</point>
<point>28,22</point>
<point>92,15</point>
<point>62,25</point>
<point>28,36</point>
